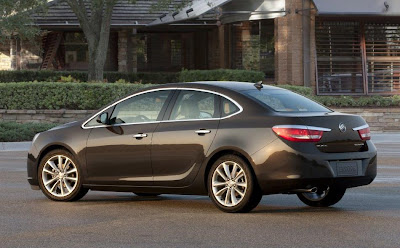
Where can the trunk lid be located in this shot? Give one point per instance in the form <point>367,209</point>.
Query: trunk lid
<point>338,139</point>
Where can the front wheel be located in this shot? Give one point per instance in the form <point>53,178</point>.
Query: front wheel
<point>60,177</point>
<point>324,197</point>
<point>232,186</point>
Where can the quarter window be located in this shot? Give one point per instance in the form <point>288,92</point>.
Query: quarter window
<point>193,105</point>
<point>141,108</point>
<point>228,108</point>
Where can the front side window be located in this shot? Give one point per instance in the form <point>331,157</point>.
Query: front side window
<point>193,105</point>
<point>142,108</point>
<point>285,101</point>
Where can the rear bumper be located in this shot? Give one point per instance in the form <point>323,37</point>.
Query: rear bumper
<point>280,169</point>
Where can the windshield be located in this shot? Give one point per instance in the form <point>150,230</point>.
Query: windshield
<point>285,101</point>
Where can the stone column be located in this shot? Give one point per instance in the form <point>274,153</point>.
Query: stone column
<point>289,67</point>
<point>221,46</point>
<point>127,51</point>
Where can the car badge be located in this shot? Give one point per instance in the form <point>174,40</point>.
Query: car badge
<point>342,127</point>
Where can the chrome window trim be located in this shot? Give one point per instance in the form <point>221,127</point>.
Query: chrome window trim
<point>152,122</point>
<point>305,127</point>
<point>361,127</point>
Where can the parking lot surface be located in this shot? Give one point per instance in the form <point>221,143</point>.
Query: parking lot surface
<point>366,217</point>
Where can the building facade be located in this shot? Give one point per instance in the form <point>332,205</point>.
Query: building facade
<point>338,47</point>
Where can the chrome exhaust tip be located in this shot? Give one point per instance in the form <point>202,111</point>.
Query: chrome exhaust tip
<point>310,190</point>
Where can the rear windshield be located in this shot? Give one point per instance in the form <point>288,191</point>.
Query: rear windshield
<point>285,101</point>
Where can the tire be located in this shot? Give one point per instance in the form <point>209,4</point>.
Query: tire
<point>146,194</point>
<point>322,198</point>
<point>241,181</point>
<point>50,175</point>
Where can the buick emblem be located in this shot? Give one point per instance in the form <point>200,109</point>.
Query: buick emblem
<point>342,127</point>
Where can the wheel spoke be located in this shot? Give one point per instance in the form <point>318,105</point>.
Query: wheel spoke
<point>239,175</point>
<point>60,167</point>
<point>226,170</point>
<point>234,169</point>
<point>53,165</point>
<point>50,181</point>
<point>71,178</point>
<point>221,191</point>
<point>218,184</point>
<point>241,184</point>
<point>62,188</point>
<point>222,174</point>
<point>66,185</point>
<point>70,171</point>
<point>227,196</point>
<point>49,172</point>
<point>54,186</point>
<point>66,164</point>
<point>233,197</point>
<point>239,192</point>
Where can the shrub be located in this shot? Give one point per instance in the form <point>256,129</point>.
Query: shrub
<point>62,95</point>
<point>14,132</point>
<point>221,75</point>
<point>81,76</point>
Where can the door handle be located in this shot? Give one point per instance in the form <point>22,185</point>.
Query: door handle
<point>202,131</point>
<point>140,135</point>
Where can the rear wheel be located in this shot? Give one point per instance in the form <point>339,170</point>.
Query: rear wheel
<point>60,177</point>
<point>324,197</point>
<point>232,185</point>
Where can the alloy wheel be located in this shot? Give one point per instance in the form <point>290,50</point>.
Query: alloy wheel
<point>229,183</point>
<point>60,176</point>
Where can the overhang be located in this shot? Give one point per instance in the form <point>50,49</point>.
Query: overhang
<point>194,10</point>
<point>250,10</point>
<point>358,7</point>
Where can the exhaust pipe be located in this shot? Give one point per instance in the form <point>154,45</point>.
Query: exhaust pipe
<point>311,190</point>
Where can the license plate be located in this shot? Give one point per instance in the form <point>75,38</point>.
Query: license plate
<point>347,168</point>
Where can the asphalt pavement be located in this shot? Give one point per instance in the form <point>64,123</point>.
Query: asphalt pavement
<point>367,216</point>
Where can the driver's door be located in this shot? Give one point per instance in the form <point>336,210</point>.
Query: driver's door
<point>119,154</point>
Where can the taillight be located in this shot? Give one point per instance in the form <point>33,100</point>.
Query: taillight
<point>299,133</point>
<point>365,133</point>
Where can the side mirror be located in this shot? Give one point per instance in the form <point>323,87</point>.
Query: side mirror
<point>103,118</point>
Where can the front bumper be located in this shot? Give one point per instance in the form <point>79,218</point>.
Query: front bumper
<point>281,169</point>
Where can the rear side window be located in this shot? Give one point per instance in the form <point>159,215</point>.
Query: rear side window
<point>285,101</point>
<point>195,105</point>
<point>228,108</point>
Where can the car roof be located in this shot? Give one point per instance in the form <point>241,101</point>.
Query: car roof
<point>230,85</point>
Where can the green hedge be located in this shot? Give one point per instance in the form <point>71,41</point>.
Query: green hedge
<point>142,77</point>
<point>14,132</point>
<point>54,76</point>
<point>220,75</point>
<point>346,101</point>
<point>62,95</point>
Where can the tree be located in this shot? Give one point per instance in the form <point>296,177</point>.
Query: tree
<point>15,18</point>
<point>96,28</point>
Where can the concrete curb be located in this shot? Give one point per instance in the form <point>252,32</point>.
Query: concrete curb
<point>377,138</point>
<point>15,146</point>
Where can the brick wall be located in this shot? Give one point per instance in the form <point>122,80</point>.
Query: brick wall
<point>379,119</point>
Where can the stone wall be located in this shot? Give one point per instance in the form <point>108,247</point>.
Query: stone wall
<point>43,116</point>
<point>379,119</point>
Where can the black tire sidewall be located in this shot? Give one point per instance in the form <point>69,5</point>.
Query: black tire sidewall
<point>77,193</point>
<point>252,196</point>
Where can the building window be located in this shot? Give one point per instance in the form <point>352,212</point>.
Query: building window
<point>76,50</point>
<point>176,53</point>
<point>342,66</point>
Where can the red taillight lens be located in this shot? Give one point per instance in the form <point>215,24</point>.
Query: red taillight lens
<point>365,133</point>
<point>298,134</point>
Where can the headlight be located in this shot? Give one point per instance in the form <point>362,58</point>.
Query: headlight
<point>35,137</point>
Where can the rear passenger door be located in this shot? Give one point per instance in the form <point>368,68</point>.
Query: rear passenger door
<point>182,139</point>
